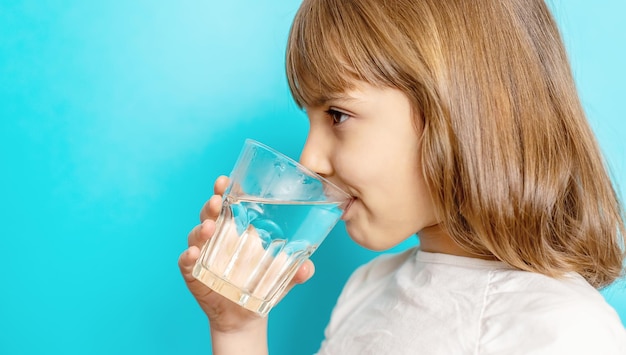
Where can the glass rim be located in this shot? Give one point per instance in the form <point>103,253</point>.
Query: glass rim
<point>298,165</point>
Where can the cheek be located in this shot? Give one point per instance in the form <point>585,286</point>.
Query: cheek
<point>380,177</point>
<point>400,200</point>
<point>352,168</point>
<point>365,166</point>
<point>393,202</point>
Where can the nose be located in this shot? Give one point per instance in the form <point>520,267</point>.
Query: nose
<point>315,154</point>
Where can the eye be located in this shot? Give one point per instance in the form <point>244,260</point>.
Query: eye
<point>338,117</point>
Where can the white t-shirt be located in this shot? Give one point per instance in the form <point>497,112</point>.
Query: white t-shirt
<point>425,303</point>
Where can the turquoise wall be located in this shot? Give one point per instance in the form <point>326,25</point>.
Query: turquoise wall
<point>115,117</point>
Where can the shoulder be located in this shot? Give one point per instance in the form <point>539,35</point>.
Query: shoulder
<point>378,268</point>
<point>565,315</point>
<point>365,282</point>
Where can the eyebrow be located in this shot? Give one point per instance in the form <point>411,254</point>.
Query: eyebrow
<point>341,97</point>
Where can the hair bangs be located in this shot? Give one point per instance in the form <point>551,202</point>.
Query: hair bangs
<point>325,53</point>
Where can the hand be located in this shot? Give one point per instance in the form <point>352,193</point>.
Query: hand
<point>224,315</point>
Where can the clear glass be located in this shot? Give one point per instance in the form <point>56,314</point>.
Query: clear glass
<point>275,213</point>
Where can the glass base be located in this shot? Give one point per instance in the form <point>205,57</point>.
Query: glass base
<point>230,291</point>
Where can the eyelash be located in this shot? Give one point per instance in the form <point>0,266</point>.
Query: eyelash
<point>336,115</point>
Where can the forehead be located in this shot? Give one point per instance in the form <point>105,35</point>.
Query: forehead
<point>348,96</point>
<point>357,92</point>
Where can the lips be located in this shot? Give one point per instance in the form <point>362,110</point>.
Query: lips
<point>346,210</point>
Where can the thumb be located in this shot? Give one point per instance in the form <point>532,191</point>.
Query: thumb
<point>304,273</point>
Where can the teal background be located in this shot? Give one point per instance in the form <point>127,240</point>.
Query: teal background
<point>115,117</point>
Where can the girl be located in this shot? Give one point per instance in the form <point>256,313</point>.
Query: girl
<point>458,120</point>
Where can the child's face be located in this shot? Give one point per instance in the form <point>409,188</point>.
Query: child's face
<point>367,142</point>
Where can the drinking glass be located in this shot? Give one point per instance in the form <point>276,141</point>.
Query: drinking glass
<point>275,213</point>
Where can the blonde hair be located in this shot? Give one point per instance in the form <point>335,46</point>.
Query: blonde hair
<point>511,162</point>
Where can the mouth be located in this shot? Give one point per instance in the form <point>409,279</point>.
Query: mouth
<point>347,206</point>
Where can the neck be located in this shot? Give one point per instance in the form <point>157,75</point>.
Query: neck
<point>434,239</point>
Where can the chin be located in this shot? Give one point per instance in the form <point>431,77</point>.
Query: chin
<point>357,236</point>
<point>367,239</point>
<point>381,240</point>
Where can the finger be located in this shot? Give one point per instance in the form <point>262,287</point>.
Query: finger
<point>201,233</point>
<point>304,273</point>
<point>221,183</point>
<point>211,208</point>
<point>186,262</point>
